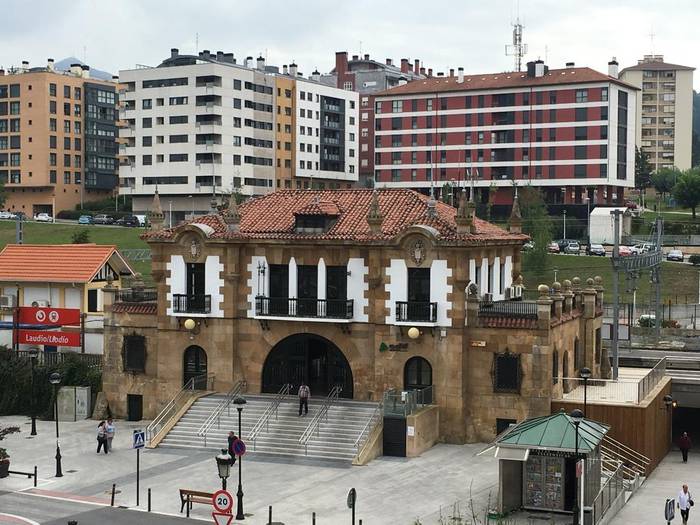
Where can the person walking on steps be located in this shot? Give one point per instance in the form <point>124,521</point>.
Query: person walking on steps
<point>101,437</point>
<point>232,437</point>
<point>304,394</point>
<point>685,501</point>
<point>684,443</point>
<point>109,431</point>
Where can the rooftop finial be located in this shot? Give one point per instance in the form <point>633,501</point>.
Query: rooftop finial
<point>232,217</point>
<point>463,217</point>
<point>155,215</point>
<point>374,216</point>
<point>516,218</point>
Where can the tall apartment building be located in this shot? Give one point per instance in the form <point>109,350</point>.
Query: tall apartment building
<point>569,131</point>
<point>57,138</point>
<point>368,77</point>
<point>664,110</point>
<point>201,125</point>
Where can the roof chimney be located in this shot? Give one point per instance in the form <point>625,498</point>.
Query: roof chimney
<point>248,61</point>
<point>440,74</point>
<point>613,68</point>
<point>293,69</point>
<point>570,65</point>
<point>228,58</point>
<point>85,73</point>
<point>261,62</point>
<point>205,53</point>
<point>452,72</point>
<point>316,76</point>
<point>430,71</point>
<point>422,71</point>
<point>460,74</point>
<point>404,65</point>
<point>115,78</point>
<point>403,81</point>
<point>220,56</point>
<point>389,62</point>
<point>355,57</point>
<point>25,66</point>
<point>174,52</point>
<point>76,70</point>
<point>285,71</point>
<point>366,56</point>
<point>416,66</point>
<point>539,68</point>
<point>49,64</point>
<point>2,72</point>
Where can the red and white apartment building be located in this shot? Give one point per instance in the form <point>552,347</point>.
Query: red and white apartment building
<point>568,131</point>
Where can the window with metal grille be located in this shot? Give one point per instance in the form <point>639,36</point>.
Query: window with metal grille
<point>506,373</point>
<point>134,353</point>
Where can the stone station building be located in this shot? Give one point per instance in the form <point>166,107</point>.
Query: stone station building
<point>367,289</point>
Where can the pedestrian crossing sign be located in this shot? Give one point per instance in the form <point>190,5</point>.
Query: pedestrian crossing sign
<point>139,439</point>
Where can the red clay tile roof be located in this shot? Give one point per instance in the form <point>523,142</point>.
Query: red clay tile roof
<point>573,75</point>
<point>319,208</point>
<point>54,263</point>
<point>135,308</point>
<point>273,217</point>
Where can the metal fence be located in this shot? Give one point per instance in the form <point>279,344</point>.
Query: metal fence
<point>56,358</point>
<point>649,381</point>
<point>609,491</point>
<point>607,390</point>
<point>137,295</point>
<point>404,403</point>
<point>515,309</point>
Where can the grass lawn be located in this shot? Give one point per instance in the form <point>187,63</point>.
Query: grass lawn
<point>679,282</point>
<point>61,233</point>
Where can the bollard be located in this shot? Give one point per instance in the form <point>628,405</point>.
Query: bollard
<point>34,475</point>
<point>149,500</point>
<point>313,518</point>
<point>114,487</point>
<point>72,522</point>
<point>269,514</point>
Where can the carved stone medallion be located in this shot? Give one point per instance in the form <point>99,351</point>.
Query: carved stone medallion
<point>416,251</point>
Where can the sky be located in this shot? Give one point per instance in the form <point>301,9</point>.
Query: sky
<point>442,33</point>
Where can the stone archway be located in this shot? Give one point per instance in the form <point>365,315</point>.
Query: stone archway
<point>307,358</point>
<point>194,362</point>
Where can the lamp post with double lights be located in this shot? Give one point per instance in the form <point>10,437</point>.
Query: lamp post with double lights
<point>585,374</point>
<point>33,356</point>
<point>239,402</point>
<point>576,416</point>
<point>55,380</point>
<point>223,464</point>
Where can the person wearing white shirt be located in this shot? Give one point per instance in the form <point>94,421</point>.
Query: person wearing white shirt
<point>685,501</point>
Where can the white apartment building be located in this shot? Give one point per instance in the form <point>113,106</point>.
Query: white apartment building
<point>197,127</point>
<point>664,110</point>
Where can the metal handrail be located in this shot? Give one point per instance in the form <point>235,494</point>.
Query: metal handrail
<point>315,424</point>
<point>175,404</point>
<point>651,379</point>
<point>223,405</point>
<point>608,492</point>
<point>264,420</point>
<point>369,426</point>
<point>632,459</point>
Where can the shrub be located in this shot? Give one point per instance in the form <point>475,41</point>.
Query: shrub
<point>6,432</point>
<point>80,237</point>
<point>694,259</point>
<point>670,323</point>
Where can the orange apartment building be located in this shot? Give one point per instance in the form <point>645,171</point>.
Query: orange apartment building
<point>285,131</point>
<point>57,138</point>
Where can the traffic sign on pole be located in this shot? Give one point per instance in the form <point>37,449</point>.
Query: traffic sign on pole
<point>221,519</point>
<point>238,447</point>
<point>139,439</point>
<point>222,501</point>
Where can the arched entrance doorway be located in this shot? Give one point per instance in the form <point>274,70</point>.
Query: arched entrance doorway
<point>194,363</point>
<point>418,375</point>
<point>309,358</point>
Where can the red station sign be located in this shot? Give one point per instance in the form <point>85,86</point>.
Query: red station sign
<point>49,316</point>
<point>48,337</point>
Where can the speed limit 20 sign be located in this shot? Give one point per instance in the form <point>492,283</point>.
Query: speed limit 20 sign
<point>222,501</point>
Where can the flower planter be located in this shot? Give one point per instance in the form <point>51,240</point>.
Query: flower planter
<point>4,468</point>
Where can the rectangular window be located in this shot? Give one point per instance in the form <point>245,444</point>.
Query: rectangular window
<point>604,94</point>
<point>66,142</point>
<point>147,103</point>
<point>52,90</point>
<point>429,104</point>
<point>52,141</point>
<point>178,119</point>
<point>147,122</point>
<point>178,157</point>
<point>178,139</point>
<point>147,141</point>
<point>580,171</point>
<point>506,373</point>
<point>134,353</point>
<point>581,114</point>
<point>581,96</point>
<point>581,133</point>
<point>580,152</point>
<point>396,106</point>
<point>92,301</point>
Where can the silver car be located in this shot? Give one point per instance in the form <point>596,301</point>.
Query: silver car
<point>573,247</point>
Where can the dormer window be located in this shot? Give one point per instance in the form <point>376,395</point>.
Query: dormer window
<point>312,223</point>
<point>317,217</point>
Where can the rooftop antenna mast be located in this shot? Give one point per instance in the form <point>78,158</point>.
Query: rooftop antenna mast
<point>517,49</point>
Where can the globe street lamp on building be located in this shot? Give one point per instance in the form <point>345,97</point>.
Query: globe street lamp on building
<point>33,355</point>
<point>239,402</point>
<point>576,416</point>
<point>55,380</point>
<point>223,463</point>
<point>585,374</point>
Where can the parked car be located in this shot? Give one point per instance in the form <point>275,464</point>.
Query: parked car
<point>43,217</point>
<point>625,251</point>
<point>595,249</point>
<point>641,248</point>
<point>85,219</point>
<point>142,219</point>
<point>553,247</point>
<point>573,248</point>
<point>631,205</point>
<point>675,255</point>
<point>129,220</point>
<point>7,215</point>
<point>647,320</point>
<point>103,219</point>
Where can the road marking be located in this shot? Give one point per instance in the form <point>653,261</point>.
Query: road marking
<point>16,519</point>
<point>65,496</point>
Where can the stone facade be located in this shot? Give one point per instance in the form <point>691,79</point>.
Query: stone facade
<point>238,342</point>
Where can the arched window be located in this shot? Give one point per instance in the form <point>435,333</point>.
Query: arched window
<point>555,367</point>
<point>578,356</point>
<point>418,375</point>
<point>195,365</point>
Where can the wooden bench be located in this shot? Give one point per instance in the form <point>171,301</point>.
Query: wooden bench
<point>188,497</point>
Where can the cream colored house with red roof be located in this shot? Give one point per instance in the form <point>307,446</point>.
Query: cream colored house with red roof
<point>62,276</point>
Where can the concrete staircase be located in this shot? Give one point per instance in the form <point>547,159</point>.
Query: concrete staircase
<point>335,439</point>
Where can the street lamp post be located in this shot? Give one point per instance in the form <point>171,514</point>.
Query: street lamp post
<point>588,221</point>
<point>576,416</point>
<point>564,236</point>
<point>55,380</point>
<point>223,463</point>
<point>33,355</point>
<point>585,374</point>
<point>239,402</point>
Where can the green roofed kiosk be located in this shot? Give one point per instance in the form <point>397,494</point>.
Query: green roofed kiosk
<point>537,463</point>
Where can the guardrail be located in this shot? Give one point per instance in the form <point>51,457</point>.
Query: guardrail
<point>405,403</point>
<point>56,358</point>
<point>137,295</point>
<point>315,424</point>
<point>225,404</point>
<point>372,422</point>
<point>515,309</point>
<point>653,377</point>
<point>609,491</point>
<point>264,420</point>
<point>197,383</point>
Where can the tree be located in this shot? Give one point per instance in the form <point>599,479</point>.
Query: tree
<point>642,169</point>
<point>537,224</point>
<point>80,237</point>
<point>664,180</point>
<point>687,189</point>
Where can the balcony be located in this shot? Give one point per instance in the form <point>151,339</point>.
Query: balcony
<point>416,311</point>
<point>191,304</point>
<point>510,309</point>
<point>307,308</point>
<point>137,295</point>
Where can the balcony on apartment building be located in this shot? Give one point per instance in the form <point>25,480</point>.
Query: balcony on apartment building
<point>191,303</point>
<point>208,81</point>
<point>304,307</point>
<point>208,102</point>
<point>416,311</point>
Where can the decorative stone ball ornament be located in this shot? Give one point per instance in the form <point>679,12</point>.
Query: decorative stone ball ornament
<point>543,290</point>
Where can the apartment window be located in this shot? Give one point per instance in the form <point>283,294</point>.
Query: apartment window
<point>236,140</point>
<point>526,117</point>
<point>581,96</point>
<point>178,119</point>
<point>66,108</point>
<point>603,132</point>
<point>66,126</point>
<point>538,135</point>
<point>147,103</point>
<point>396,106</point>
<point>552,97</point>
<point>66,91</point>
<point>604,113</point>
<point>147,141</point>
<point>66,177</point>
<point>52,141</point>
<point>77,162</point>
<point>178,157</point>
<point>506,373</point>
<point>603,171</point>
<point>147,160</point>
<point>147,122</point>
<point>480,119</point>
<point>66,142</point>
<point>580,152</point>
<point>236,122</point>
<point>552,115</point>
<point>604,94</point>
<point>603,151</point>
<point>66,161</point>
<point>581,114</point>
<point>480,101</point>
<point>14,108</point>
<point>52,90</point>
<point>396,123</point>
<point>237,159</point>
<point>76,110</point>
<point>14,159</point>
<point>178,101</point>
<point>77,128</point>
<point>52,177</point>
<point>177,139</point>
<point>480,137</point>
<point>581,133</point>
<point>580,171</point>
<point>52,159</point>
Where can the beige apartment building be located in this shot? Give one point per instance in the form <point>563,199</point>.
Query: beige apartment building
<point>665,110</point>
<point>57,138</point>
